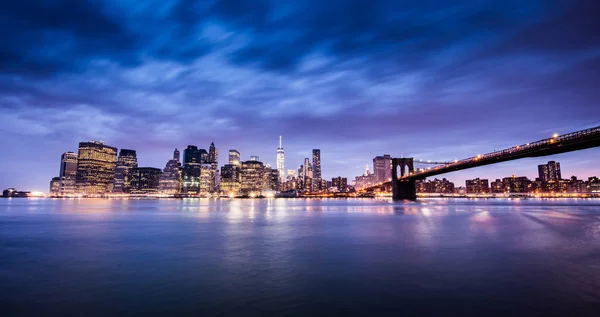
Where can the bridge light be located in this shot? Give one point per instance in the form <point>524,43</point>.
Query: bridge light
<point>555,135</point>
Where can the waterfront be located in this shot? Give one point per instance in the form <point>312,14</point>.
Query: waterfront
<point>300,257</point>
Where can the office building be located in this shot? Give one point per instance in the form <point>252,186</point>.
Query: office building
<point>477,186</point>
<point>55,187</point>
<point>176,155</point>
<point>231,179</point>
<point>96,164</point>
<point>213,154</point>
<point>339,184</point>
<point>382,168</point>
<point>280,162</point>
<point>550,172</point>
<point>170,179</point>
<point>144,180</point>
<point>252,178</point>
<point>316,170</point>
<point>67,174</point>
<point>125,163</point>
<point>234,157</point>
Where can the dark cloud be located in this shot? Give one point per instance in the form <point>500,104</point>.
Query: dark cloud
<point>440,79</point>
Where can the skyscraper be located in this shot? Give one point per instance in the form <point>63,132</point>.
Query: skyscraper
<point>234,157</point>
<point>96,163</point>
<point>316,169</point>
<point>192,158</point>
<point>280,162</point>
<point>176,155</point>
<point>144,180</point>
<point>127,160</point>
<point>316,158</point>
<point>213,155</point>
<point>550,172</point>
<point>170,179</point>
<point>382,168</point>
<point>68,174</point>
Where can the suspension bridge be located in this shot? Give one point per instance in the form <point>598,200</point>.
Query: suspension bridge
<point>404,174</point>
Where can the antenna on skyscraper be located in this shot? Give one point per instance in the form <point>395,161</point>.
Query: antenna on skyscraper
<point>280,141</point>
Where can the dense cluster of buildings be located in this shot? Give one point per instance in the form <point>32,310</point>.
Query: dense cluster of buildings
<point>98,170</point>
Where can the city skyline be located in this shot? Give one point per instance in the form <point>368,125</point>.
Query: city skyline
<point>356,80</point>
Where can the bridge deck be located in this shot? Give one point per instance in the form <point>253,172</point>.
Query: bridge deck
<point>557,144</point>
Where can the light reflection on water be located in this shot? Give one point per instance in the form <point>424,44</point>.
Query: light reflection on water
<point>299,257</point>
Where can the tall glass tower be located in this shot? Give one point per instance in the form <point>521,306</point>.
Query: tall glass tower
<point>280,163</point>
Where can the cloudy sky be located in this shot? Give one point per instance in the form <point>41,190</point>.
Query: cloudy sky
<point>438,80</point>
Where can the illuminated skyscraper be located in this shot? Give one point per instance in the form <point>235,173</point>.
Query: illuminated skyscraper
<point>280,162</point>
<point>252,177</point>
<point>144,180</point>
<point>96,163</point>
<point>213,154</point>
<point>170,179</point>
<point>127,160</point>
<point>68,174</point>
<point>382,168</point>
<point>316,169</point>
<point>316,158</point>
<point>234,157</point>
<point>176,155</point>
<point>192,158</point>
<point>550,172</point>
<point>54,187</point>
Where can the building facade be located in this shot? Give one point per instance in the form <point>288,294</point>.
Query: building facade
<point>68,174</point>
<point>145,180</point>
<point>281,162</point>
<point>477,186</point>
<point>234,157</point>
<point>170,179</point>
<point>382,168</point>
<point>126,161</point>
<point>96,164</point>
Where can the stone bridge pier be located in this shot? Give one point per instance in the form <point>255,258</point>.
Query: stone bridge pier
<point>403,188</point>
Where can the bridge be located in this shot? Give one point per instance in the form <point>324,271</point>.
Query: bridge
<point>404,175</point>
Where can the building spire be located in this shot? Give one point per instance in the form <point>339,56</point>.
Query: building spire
<point>280,142</point>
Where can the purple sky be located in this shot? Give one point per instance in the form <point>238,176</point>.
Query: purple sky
<point>437,80</point>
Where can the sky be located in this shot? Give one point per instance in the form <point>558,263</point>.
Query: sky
<point>434,80</point>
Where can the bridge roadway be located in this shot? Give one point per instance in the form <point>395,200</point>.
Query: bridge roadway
<point>575,141</point>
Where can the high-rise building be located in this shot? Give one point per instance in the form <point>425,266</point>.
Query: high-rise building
<point>170,179</point>
<point>230,179</point>
<point>477,186</point>
<point>316,170</point>
<point>145,180</point>
<point>125,163</point>
<point>252,177</point>
<point>234,157</point>
<point>550,172</point>
<point>280,162</point>
<point>339,183</point>
<point>382,168</point>
<point>213,154</point>
<point>176,155</point>
<point>270,179</point>
<point>316,159</point>
<point>68,174</point>
<point>96,163</point>
<point>55,187</point>
<point>254,158</point>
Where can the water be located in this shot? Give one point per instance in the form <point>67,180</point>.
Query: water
<point>296,257</point>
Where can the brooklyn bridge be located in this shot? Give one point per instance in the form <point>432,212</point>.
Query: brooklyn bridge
<point>404,174</point>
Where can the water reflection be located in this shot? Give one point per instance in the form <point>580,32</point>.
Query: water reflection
<point>273,256</point>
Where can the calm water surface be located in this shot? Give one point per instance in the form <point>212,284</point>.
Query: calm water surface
<point>296,257</point>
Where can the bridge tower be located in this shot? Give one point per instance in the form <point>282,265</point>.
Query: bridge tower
<point>403,188</point>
